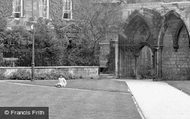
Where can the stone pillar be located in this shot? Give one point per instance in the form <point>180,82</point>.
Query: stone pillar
<point>121,62</point>
<point>136,69</point>
<point>116,58</point>
<point>159,62</point>
<point>154,63</point>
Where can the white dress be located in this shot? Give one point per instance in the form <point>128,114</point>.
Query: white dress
<point>62,82</point>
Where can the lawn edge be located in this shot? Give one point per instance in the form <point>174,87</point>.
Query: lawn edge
<point>136,104</point>
<point>178,88</point>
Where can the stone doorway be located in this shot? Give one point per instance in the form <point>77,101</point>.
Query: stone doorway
<point>144,64</point>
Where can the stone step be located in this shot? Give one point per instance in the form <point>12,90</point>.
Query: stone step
<point>107,76</point>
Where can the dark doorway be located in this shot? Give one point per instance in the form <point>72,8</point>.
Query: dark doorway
<point>144,65</point>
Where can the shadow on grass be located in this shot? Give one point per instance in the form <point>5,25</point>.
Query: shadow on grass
<point>88,84</point>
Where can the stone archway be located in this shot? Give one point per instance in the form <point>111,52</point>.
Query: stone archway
<point>145,64</point>
<point>139,33</point>
<point>174,56</point>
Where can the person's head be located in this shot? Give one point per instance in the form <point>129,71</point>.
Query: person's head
<point>61,76</point>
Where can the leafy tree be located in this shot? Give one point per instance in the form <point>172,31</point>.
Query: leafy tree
<point>73,49</point>
<point>96,20</point>
<point>18,44</point>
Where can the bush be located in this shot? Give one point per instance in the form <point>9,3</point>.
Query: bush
<point>21,75</point>
<point>54,75</point>
<point>2,77</point>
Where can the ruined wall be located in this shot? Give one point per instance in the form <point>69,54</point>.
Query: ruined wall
<point>145,63</point>
<point>127,64</point>
<point>176,65</point>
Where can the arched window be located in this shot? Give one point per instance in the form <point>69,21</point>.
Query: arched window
<point>67,9</point>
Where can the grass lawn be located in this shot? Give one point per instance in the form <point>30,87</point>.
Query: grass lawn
<point>82,99</point>
<point>181,85</point>
<point>88,84</point>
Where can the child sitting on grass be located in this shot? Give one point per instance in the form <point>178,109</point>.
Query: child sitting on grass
<point>62,82</point>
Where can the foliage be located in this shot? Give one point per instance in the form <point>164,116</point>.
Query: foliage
<point>111,60</point>
<point>51,48</point>
<point>5,8</point>
<point>21,75</point>
<point>18,44</point>
<point>56,47</point>
<point>3,24</point>
<point>45,46</point>
<point>96,21</point>
<point>2,77</point>
<point>73,51</point>
<point>54,75</point>
<point>6,63</point>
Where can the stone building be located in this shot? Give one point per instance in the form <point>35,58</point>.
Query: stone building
<point>154,33</point>
<point>57,12</point>
<point>163,27</point>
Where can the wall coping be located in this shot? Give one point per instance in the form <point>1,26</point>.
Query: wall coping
<point>49,67</point>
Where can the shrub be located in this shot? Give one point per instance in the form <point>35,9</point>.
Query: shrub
<point>2,77</point>
<point>54,75</point>
<point>21,75</point>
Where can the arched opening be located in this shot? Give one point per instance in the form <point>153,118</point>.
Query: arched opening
<point>144,65</point>
<point>136,47</point>
<point>175,54</point>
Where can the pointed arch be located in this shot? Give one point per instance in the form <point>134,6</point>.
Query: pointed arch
<point>169,18</point>
<point>133,20</point>
<point>180,26</point>
<point>143,44</point>
<point>171,13</point>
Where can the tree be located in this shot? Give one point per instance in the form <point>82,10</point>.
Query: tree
<point>73,49</point>
<point>96,20</point>
<point>15,44</point>
<point>18,44</point>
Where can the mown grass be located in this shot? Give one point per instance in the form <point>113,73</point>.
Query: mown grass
<point>89,84</point>
<point>101,99</point>
<point>181,85</point>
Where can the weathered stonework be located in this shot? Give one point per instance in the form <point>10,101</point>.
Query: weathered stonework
<point>85,72</point>
<point>176,65</point>
<point>167,27</point>
<point>162,26</point>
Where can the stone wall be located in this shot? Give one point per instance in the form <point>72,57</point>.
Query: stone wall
<point>176,65</point>
<point>91,72</point>
<point>127,65</point>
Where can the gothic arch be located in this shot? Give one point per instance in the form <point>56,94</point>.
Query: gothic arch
<point>143,44</point>
<point>180,25</point>
<point>169,14</point>
<point>175,28</point>
<point>138,32</point>
<point>133,20</point>
<point>172,46</point>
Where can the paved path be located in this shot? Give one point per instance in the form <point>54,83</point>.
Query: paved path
<point>158,100</point>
